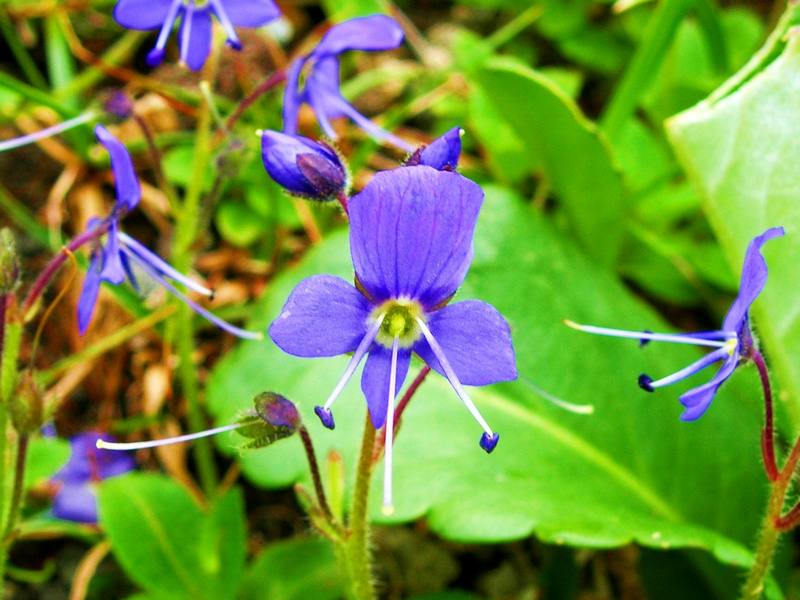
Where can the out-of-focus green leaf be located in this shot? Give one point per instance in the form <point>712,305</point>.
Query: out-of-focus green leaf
<point>238,223</point>
<point>575,160</point>
<point>167,544</point>
<point>177,164</point>
<point>341,10</point>
<point>741,152</point>
<point>45,457</point>
<point>630,472</point>
<point>296,569</point>
<point>687,73</point>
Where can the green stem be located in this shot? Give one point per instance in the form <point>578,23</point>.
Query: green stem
<point>770,533</point>
<point>19,486</point>
<point>514,27</point>
<point>356,553</point>
<point>644,65</point>
<point>24,59</point>
<point>182,254</point>
<point>10,340</point>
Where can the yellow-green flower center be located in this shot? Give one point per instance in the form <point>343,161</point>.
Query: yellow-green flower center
<point>399,322</point>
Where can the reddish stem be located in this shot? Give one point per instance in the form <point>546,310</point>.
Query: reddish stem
<point>344,201</point>
<point>768,432</point>
<point>399,410</point>
<point>313,465</point>
<point>55,263</point>
<point>270,82</point>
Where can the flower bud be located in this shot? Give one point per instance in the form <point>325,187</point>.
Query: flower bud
<point>119,104</point>
<point>273,418</point>
<point>9,262</point>
<point>27,405</point>
<point>441,154</point>
<point>302,166</point>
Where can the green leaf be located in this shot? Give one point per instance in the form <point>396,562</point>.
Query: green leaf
<point>574,158</point>
<point>45,457</point>
<point>167,544</point>
<point>293,570</point>
<point>238,223</point>
<point>741,152</point>
<point>630,472</point>
<point>341,10</point>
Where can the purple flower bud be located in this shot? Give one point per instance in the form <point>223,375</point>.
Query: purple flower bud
<point>302,166</point>
<point>277,411</point>
<point>442,154</point>
<point>119,104</point>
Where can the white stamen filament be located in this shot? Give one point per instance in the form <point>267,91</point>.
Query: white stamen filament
<point>47,132</point>
<point>388,503</point>
<point>206,314</point>
<point>104,445</point>
<point>453,378</point>
<point>360,352</point>
<point>644,335</point>
<point>693,368</point>
<point>186,32</point>
<point>169,21</point>
<point>227,25</point>
<point>165,268</point>
<point>580,409</point>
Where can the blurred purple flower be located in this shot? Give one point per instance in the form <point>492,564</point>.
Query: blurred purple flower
<point>302,166</point>
<point>76,498</point>
<point>733,343</point>
<point>195,32</point>
<point>111,262</point>
<point>442,154</point>
<point>321,89</point>
<point>411,244</point>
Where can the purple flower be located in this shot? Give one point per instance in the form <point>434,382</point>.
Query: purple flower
<point>112,262</point>
<point>442,154</point>
<point>321,89</point>
<point>196,27</point>
<point>411,244</point>
<point>302,166</point>
<point>733,344</point>
<point>87,465</point>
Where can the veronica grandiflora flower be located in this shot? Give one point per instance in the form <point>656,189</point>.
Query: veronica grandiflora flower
<point>411,235</point>
<point>731,345</point>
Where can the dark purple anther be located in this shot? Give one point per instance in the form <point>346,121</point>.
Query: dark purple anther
<point>644,341</point>
<point>325,416</point>
<point>645,382</point>
<point>489,442</point>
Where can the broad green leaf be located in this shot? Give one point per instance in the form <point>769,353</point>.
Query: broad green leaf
<point>167,544</point>
<point>741,152</point>
<point>293,570</point>
<point>575,161</point>
<point>630,472</point>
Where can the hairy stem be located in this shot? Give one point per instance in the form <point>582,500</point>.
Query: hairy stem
<point>768,433</point>
<point>186,229</point>
<point>19,485</point>
<point>356,553</point>
<point>55,263</point>
<point>771,528</point>
<point>270,82</point>
<point>313,466</point>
